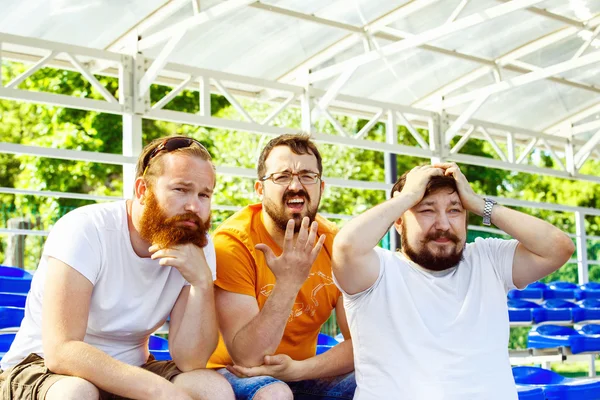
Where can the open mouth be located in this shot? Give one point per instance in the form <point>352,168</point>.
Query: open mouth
<point>295,204</point>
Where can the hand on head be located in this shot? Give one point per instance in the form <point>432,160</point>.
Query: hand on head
<point>418,178</point>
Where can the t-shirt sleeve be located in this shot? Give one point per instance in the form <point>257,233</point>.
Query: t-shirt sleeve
<point>75,241</point>
<point>236,270</point>
<point>351,300</point>
<point>501,254</point>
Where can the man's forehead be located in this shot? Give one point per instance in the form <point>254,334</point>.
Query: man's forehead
<point>282,158</point>
<point>188,170</point>
<point>444,196</point>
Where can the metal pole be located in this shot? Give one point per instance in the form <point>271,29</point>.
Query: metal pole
<point>391,169</point>
<point>582,261</point>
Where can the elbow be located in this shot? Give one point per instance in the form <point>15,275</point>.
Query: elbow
<point>56,360</point>
<point>566,248</point>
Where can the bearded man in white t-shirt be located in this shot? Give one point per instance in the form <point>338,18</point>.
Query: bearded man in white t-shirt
<point>431,321</point>
<point>109,276</point>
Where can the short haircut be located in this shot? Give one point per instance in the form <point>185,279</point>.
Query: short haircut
<point>298,143</point>
<point>154,166</point>
<point>435,183</point>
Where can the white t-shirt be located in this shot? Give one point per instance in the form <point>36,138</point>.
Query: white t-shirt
<point>132,296</point>
<point>443,336</point>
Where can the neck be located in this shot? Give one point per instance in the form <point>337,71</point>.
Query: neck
<point>134,214</point>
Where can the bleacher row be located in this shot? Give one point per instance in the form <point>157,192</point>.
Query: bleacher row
<point>549,309</point>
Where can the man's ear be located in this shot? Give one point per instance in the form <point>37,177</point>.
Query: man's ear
<point>398,225</point>
<point>140,189</point>
<point>259,189</point>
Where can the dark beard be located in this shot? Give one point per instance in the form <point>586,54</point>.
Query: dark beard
<point>157,229</point>
<point>279,216</point>
<point>426,258</point>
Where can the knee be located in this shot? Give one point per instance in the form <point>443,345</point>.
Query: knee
<point>275,391</point>
<point>73,388</point>
<point>221,388</point>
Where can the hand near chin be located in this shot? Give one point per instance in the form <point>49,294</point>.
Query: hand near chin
<point>293,265</point>
<point>470,200</point>
<point>188,259</point>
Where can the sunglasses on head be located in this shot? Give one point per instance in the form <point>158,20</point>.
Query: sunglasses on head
<point>168,145</point>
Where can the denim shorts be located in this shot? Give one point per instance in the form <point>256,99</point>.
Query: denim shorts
<point>336,388</point>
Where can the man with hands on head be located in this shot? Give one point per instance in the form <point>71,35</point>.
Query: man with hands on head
<point>274,285</point>
<point>109,276</point>
<point>431,321</point>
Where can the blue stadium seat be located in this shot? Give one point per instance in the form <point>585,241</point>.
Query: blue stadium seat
<point>560,290</point>
<point>521,311</point>
<point>6,340</point>
<point>555,386</point>
<point>590,290</point>
<point>11,317</point>
<point>13,299</point>
<point>159,348</point>
<point>549,336</point>
<point>325,342</point>
<point>530,393</point>
<point>554,310</point>
<point>533,292</point>
<point>10,284</point>
<point>587,310</point>
<point>14,272</point>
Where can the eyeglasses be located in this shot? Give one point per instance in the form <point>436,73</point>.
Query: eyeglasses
<point>285,178</point>
<point>168,145</point>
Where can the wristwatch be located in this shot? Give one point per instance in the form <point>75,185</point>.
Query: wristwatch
<point>487,211</point>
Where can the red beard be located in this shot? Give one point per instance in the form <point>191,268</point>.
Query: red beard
<point>158,229</point>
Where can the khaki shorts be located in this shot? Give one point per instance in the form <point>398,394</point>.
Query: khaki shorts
<point>30,379</point>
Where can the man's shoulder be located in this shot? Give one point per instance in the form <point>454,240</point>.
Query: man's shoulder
<point>239,228</point>
<point>100,215</point>
<point>326,226</point>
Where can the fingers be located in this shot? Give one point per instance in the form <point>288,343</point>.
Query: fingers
<point>303,234</point>
<point>274,360</point>
<point>234,371</point>
<point>312,236</point>
<point>268,253</point>
<point>317,249</point>
<point>289,236</point>
<point>245,372</point>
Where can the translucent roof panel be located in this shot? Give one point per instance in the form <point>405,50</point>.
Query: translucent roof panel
<point>271,38</point>
<point>92,23</point>
<point>252,42</point>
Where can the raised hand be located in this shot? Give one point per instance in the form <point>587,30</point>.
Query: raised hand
<point>293,265</point>
<point>470,200</point>
<point>188,259</point>
<point>417,180</point>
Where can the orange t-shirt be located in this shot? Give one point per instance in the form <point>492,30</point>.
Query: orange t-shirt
<point>243,269</point>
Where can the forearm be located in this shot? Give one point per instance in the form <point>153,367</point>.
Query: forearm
<point>197,336</point>
<point>363,233</point>
<point>538,236</point>
<point>76,358</point>
<point>337,361</point>
<point>262,335</point>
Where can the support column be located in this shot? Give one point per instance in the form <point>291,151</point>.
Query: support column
<point>391,169</point>
<point>582,261</point>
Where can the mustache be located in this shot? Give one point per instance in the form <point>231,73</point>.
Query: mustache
<point>442,234</point>
<point>184,217</point>
<point>299,193</point>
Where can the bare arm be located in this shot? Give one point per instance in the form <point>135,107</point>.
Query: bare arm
<point>355,263</point>
<point>67,295</point>
<point>537,255</point>
<point>250,333</point>
<point>337,361</point>
<point>193,331</point>
<point>542,248</point>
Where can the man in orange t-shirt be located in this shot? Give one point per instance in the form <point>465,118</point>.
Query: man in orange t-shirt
<point>275,288</point>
